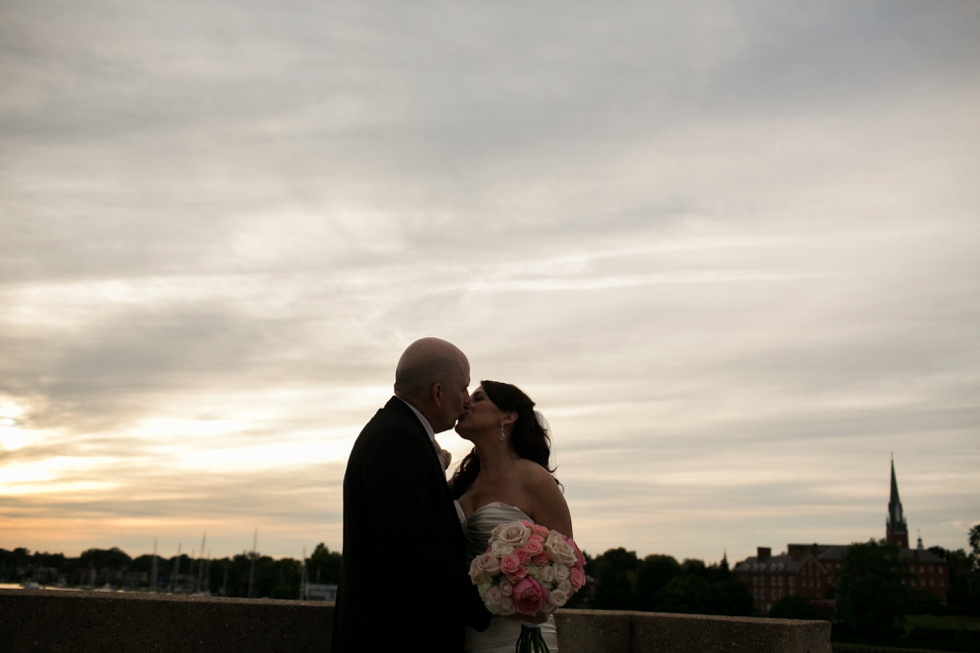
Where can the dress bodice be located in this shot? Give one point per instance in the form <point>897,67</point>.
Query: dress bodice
<point>479,526</point>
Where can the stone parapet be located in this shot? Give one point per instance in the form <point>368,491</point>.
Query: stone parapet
<point>56,621</point>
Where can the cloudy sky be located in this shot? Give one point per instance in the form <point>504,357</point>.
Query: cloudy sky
<point>732,249</point>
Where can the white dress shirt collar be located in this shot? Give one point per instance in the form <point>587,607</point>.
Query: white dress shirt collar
<point>425,422</point>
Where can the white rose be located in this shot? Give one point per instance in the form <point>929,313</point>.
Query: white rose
<point>488,563</point>
<point>506,588</point>
<point>507,606</point>
<point>506,550</point>
<point>561,572</point>
<point>560,551</point>
<point>476,574</point>
<point>547,574</point>
<point>549,605</point>
<point>496,546</point>
<point>558,597</point>
<point>493,597</point>
<point>565,586</point>
<point>515,534</point>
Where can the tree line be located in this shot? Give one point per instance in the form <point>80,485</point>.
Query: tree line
<point>229,576</point>
<point>873,594</point>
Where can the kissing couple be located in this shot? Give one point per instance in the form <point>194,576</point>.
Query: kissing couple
<point>410,536</point>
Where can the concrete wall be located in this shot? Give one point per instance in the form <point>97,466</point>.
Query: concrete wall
<point>116,623</point>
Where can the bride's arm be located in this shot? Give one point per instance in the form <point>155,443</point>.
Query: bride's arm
<point>548,505</point>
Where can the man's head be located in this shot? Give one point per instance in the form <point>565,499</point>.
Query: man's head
<point>434,376</point>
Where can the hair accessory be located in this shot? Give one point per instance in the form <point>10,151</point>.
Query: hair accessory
<point>502,434</point>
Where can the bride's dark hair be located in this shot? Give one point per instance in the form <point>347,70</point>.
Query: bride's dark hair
<point>528,439</point>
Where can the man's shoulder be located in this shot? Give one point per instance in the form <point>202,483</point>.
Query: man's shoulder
<point>396,415</point>
<point>393,428</point>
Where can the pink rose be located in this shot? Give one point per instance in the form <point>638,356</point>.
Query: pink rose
<point>509,564</point>
<point>539,530</point>
<point>529,596</point>
<point>517,575</point>
<point>534,545</point>
<point>577,576</point>
<point>523,555</point>
<point>542,559</point>
<point>506,588</point>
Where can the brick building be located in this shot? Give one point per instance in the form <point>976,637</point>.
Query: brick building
<point>810,569</point>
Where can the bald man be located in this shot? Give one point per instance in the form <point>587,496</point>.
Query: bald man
<point>404,585</point>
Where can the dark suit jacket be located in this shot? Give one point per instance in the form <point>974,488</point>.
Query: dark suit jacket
<point>403,580</point>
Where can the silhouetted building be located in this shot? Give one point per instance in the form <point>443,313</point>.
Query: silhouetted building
<point>810,570</point>
<point>896,528</point>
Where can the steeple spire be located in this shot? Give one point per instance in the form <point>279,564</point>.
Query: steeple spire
<point>896,528</point>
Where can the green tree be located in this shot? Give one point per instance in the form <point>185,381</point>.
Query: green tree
<point>615,574</point>
<point>686,594</point>
<point>652,575</point>
<point>872,595</point>
<point>324,565</point>
<point>112,558</point>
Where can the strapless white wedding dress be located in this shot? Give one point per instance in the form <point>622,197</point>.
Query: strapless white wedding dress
<point>501,636</point>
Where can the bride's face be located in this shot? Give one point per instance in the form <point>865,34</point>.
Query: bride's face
<point>482,417</point>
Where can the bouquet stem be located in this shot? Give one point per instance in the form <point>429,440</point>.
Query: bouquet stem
<point>531,640</point>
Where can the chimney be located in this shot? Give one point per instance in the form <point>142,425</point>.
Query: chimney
<point>763,553</point>
<point>816,550</point>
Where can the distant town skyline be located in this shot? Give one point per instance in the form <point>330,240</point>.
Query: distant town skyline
<point>732,251</point>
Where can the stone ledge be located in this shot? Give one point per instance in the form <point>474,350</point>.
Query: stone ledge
<point>56,621</point>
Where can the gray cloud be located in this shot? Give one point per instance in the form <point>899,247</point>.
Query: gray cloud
<point>731,251</point>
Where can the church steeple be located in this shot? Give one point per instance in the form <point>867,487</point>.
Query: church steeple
<point>896,528</point>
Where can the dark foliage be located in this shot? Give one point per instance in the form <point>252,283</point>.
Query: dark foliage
<point>793,607</point>
<point>659,583</point>
<point>872,595</point>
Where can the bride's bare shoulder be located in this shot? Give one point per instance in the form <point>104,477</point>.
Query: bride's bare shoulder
<point>536,477</point>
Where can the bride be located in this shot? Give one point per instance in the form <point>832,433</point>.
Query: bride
<point>505,477</point>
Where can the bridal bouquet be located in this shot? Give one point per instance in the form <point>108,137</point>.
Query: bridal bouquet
<point>528,569</point>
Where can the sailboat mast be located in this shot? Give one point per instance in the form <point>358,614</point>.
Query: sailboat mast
<point>154,568</point>
<point>251,568</point>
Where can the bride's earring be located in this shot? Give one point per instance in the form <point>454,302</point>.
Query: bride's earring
<point>502,434</point>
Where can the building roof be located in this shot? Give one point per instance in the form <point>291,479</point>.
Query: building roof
<point>774,564</point>
<point>835,553</point>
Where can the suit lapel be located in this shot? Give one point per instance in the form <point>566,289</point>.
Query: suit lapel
<point>401,407</point>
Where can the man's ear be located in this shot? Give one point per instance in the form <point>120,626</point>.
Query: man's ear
<point>509,418</point>
<point>435,394</point>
